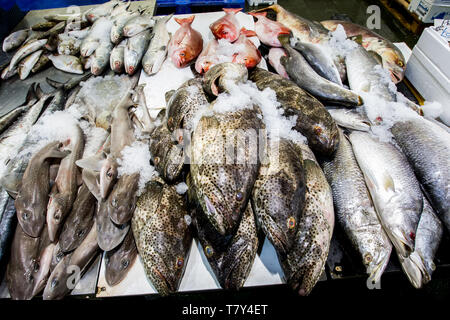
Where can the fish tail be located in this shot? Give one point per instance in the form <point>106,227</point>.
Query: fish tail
<point>232,10</point>
<point>187,20</point>
<point>248,33</point>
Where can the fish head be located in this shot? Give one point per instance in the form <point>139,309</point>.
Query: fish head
<point>30,214</point>
<point>131,62</point>
<point>224,29</point>
<point>122,200</point>
<point>72,235</point>
<point>395,64</point>
<point>56,287</point>
<point>182,56</point>
<point>120,260</point>
<point>108,176</point>
<point>325,138</point>
<point>249,60</point>
<point>109,234</point>
<point>219,77</point>
<point>57,209</point>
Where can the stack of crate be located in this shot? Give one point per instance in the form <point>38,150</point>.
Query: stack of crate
<point>428,10</point>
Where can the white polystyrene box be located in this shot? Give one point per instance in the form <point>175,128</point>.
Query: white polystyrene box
<point>428,10</point>
<point>436,49</point>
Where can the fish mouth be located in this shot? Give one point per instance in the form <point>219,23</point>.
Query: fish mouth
<point>376,268</point>
<point>415,270</point>
<point>170,287</point>
<point>403,244</point>
<point>227,280</point>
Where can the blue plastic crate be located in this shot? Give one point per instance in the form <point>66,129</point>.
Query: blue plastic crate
<point>184,6</point>
<point>26,5</point>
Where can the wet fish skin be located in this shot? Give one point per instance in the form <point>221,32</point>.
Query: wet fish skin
<point>304,76</point>
<point>32,199</point>
<point>42,63</point>
<point>227,27</point>
<point>216,79</point>
<point>109,235</point>
<point>163,236</point>
<point>116,60</point>
<point>391,56</point>
<point>208,57</point>
<point>67,63</point>
<point>57,256</point>
<point>26,50</point>
<point>278,195</point>
<point>268,30</point>
<point>306,260</point>
<point>43,26</point>
<point>57,287</point>
<point>8,73</point>
<point>224,185</point>
<point>118,25</point>
<point>27,64</point>
<point>274,59</point>
<point>393,187</point>
<point>123,197</point>
<point>137,24</point>
<point>8,222</point>
<point>101,11</point>
<point>426,145</point>
<point>120,260</point>
<point>313,121</point>
<point>101,58</point>
<point>135,50</point>
<point>186,44</point>
<point>15,39</point>
<point>157,50</point>
<point>354,209</point>
<point>247,53</point>
<point>46,248</point>
<point>350,119</point>
<point>79,221</point>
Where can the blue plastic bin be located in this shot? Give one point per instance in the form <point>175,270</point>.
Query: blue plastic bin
<point>184,6</point>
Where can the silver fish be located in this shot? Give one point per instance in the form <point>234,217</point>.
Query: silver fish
<point>101,58</point>
<point>67,63</point>
<point>350,119</point>
<point>27,64</point>
<point>117,55</point>
<point>157,50</point>
<point>138,24</point>
<point>26,50</point>
<point>15,39</point>
<point>118,25</point>
<point>393,187</point>
<point>102,10</point>
<point>135,50</point>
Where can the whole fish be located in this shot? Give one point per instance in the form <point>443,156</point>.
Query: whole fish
<point>278,195</point>
<point>392,58</point>
<point>66,183</point>
<point>79,34</point>
<point>218,78</point>
<point>349,118</point>
<point>208,57</point>
<point>224,185</point>
<point>123,197</point>
<point>320,60</point>
<point>102,10</point>
<point>8,72</point>
<point>101,58</point>
<point>246,52</point>
<point>64,17</point>
<point>365,75</point>
<point>157,50</point>
<point>419,266</point>
<point>109,235</point>
<point>27,64</point>
<point>15,39</point>
<point>118,25</point>
<point>68,45</point>
<point>304,76</point>
<point>31,201</point>
<point>305,262</point>
<point>186,44</point>
<point>43,26</point>
<point>67,63</point>
<point>79,221</point>
<point>58,284</point>
<point>163,237</point>
<point>46,248</point>
<point>230,257</point>
<point>313,121</point>
<point>23,265</point>
<point>120,260</point>
<point>393,187</point>
<point>116,60</point>
<point>274,60</point>
<point>100,32</point>
<point>268,30</point>
<point>137,24</point>
<point>228,26</point>
<point>427,147</point>
<point>354,210</point>
<point>134,51</point>
<point>26,50</point>
<point>8,222</point>
<point>42,63</point>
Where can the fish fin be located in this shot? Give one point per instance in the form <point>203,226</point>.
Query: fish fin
<point>247,33</point>
<point>187,20</point>
<point>388,182</point>
<point>90,179</point>
<point>94,163</point>
<point>358,39</point>
<point>38,91</point>
<point>376,56</point>
<point>167,18</point>
<point>258,14</point>
<point>55,84</point>
<point>12,183</point>
<point>31,94</point>
<point>284,39</point>
<point>232,10</point>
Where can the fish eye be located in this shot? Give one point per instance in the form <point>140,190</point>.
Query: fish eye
<point>368,258</point>
<point>54,283</point>
<point>125,263</point>
<point>318,130</point>
<point>156,161</point>
<point>208,251</point>
<point>400,63</point>
<point>180,263</point>
<point>80,233</point>
<point>109,174</point>
<point>239,196</point>
<point>114,202</point>
<point>291,223</point>
<point>182,54</point>
<point>25,215</point>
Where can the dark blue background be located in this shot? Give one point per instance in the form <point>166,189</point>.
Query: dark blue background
<point>26,5</point>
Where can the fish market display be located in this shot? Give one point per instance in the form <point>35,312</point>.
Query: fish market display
<point>213,146</point>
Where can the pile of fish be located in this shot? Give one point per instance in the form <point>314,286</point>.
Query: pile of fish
<point>237,152</point>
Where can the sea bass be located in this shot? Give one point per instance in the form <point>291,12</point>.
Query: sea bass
<point>186,44</point>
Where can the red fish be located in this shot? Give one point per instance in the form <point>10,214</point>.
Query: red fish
<point>208,57</point>
<point>186,44</point>
<point>228,26</point>
<point>246,52</point>
<point>274,59</point>
<point>268,30</point>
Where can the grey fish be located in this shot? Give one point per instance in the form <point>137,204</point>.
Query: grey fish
<point>216,78</point>
<point>67,63</point>
<point>123,197</point>
<point>354,210</point>
<point>46,248</point>
<point>427,147</point>
<point>15,39</point>
<point>118,25</point>
<point>157,50</point>
<point>224,185</point>
<point>163,237</point>
<point>349,118</point>
<point>135,50</point>
<point>313,120</point>
<point>79,221</point>
<point>57,256</point>
<point>43,26</point>
<point>27,64</point>
<point>305,77</point>
<point>42,63</point>
<point>8,223</point>
<point>278,195</point>
<point>116,61</point>
<point>305,262</point>
<point>109,235</point>
<point>8,73</point>
<point>120,260</point>
<point>393,187</point>
<point>26,50</point>
<point>99,33</point>
<point>52,43</point>
<point>32,199</point>
<point>101,58</point>
<point>419,266</point>
<point>138,24</point>
<point>319,60</point>
<point>102,10</point>
<point>57,285</point>
<point>66,185</point>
